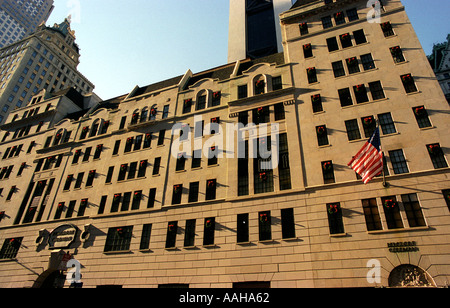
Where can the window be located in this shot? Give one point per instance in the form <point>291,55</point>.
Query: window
<point>360,93</point>
<point>397,54</point>
<point>125,202</point>
<point>387,29</point>
<point>59,210</point>
<point>346,40</point>
<point>352,14</point>
<point>413,210</point>
<point>177,193</point>
<point>312,74</point>
<point>392,212</point>
<point>165,114</point>
<point>211,186</point>
<point>156,165</point>
<point>68,182</point>
<point>352,65</point>
<point>322,135</point>
<point>338,69</point>
<point>109,175</point>
<point>422,117</point>
<point>386,123</point>
<point>10,248</point>
<point>148,140</point>
<point>172,228</point>
<point>193,191</point>
<point>71,209</point>
<point>136,203</point>
<point>208,233</point>
<point>328,172</point>
<point>287,223</point>
<point>82,209</point>
<point>98,151</point>
<point>181,161</point>
<point>360,37</point>
<point>345,97</point>
<point>196,159</point>
<point>138,143</point>
<point>187,105</point>
<point>261,115</point>
<point>408,83</point>
<point>142,168</point>
<point>437,156</point>
<point>304,28</point>
<point>11,193</point>
<point>307,51</point>
<point>367,62</point>
<point>339,18</point>
<point>279,112</point>
<point>277,83</point>
<point>87,154</point>
<point>79,180</point>
<point>91,177</point>
<point>201,102</point>
<point>332,44</point>
<point>260,86</point>
<point>446,193</point>
<point>316,101</point>
<point>284,171</point>
<point>243,180</point>
<point>189,233</point>
<point>132,171</point>
<point>212,156</point>
<point>242,91</point>
<point>371,214</point>
<point>214,126</point>
<point>265,226</point>
<point>352,130</point>
<point>216,96</point>
<point>398,162</point>
<point>129,144</point>
<point>161,137</point>
<point>376,90</point>
<point>262,171</point>
<point>242,228</point>
<point>101,208</point>
<point>151,198</point>
<point>369,124</point>
<point>145,237</point>
<point>335,222</point>
<point>122,172</point>
<point>118,239</point>
<point>116,148</point>
<point>326,22</point>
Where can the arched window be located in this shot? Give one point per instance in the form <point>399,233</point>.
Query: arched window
<point>202,99</point>
<point>144,114</point>
<point>94,128</point>
<point>58,137</point>
<point>153,112</point>
<point>259,85</point>
<point>408,275</point>
<point>135,117</point>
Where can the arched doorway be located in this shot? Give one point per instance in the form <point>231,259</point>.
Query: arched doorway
<point>408,275</point>
<point>50,279</point>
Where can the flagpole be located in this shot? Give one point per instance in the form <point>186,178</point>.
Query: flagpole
<point>385,184</point>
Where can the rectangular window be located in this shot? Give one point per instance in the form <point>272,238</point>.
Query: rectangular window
<point>10,248</point>
<point>352,130</point>
<point>287,223</point>
<point>338,69</point>
<point>161,137</point>
<point>371,214</point>
<point>243,178</point>
<point>76,157</point>
<point>115,203</point>
<point>307,51</point>
<point>386,123</point>
<point>196,159</point>
<point>335,222</point>
<point>187,105</point>
<point>177,193</point>
<point>352,14</point>
<point>79,180</point>
<point>369,124</point>
<point>261,115</point>
<point>156,165</point>
<point>316,101</point>
<point>265,226</point>
<point>408,83</point>
<point>387,29</point>
<point>446,193</point>
<point>360,93</point>
<point>189,233</point>
<point>413,210</point>
<point>397,54</point>
<point>346,40</point>
<point>172,228</point>
<point>322,135</point>
<point>398,162</point>
<point>352,65</point>
<point>326,22</point>
<point>123,122</point>
<point>136,203</point>
<point>138,143</point>
<point>392,212</point>
<point>98,151</point>
<point>422,118</point>
<point>279,112</point>
<point>242,228</point>
<point>165,114</point>
<point>71,209</point>
<point>148,140</point>
<point>122,172</point>
<point>284,171</point>
<point>193,192</point>
<point>211,186</point>
<point>312,74</point>
<point>116,147</point>
<point>201,102</point>
<point>126,202</point>
<point>129,144</point>
<point>181,161</point>
<point>212,156</point>
<point>242,91</point>
<point>262,171</point>
<point>151,198</point>
<point>198,129</point>
<point>87,154</point>
<point>142,168</point>
<point>328,172</point>
<point>215,101</point>
<point>118,239</point>
<point>101,208</point>
<point>345,97</point>
<point>437,156</point>
<point>367,62</point>
<point>109,175</point>
<point>339,18</point>
<point>145,237</point>
<point>208,233</point>
<point>376,90</point>
<point>332,44</point>
<point>83,206</point>
<point>304,28</point>
<point>360,37</point>
<point>91,177</point>
<point>68,182</point>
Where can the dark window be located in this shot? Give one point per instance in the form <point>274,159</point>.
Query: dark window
<point>208,234</point>
<point>352,130</point>
<point>352,14</point>
<point>312,74</point>
<point>369,125</point>
<point>367,62</point>
<point>10,248</point>
<point>332,44</point>
<point>156,165</point>
<point>345,97</point>
<point>242,228</point>
<point>145,237</point>
<point>165,114</point>
<point>116,147</point>
<point>87,154</point>
<point>161,137</point>
<point>437,156</point>
<point>212,156</point>
<point>346,40</point>
<point>76,156</point>
<point>172,229</point>
<point>304,28</point>
<point>68,182</point>
<point>151,198</point>
<point>142,168</point>
<point>193,192</point>
<point>79,180</point>
<point>261,115</point>
<point>387,29</point>
<point>386,123</point>
<point>189,233</point>
<point>408,83</point>
<point>277,83</point>
<point>279,112</point>
<point>392,212</point>
<point>397,54</point>
<point>177,193</point>
<point>322,135</point>
<point>116,202</point>
<point>243,180</point>
<point>338,69</point>
<point>215,101</point>
<point>352,65</point>
<point>181,161</point>
<point>137,197</point>
<point>91,177</point>
<point>316,101</point>
<point>260,86</point>
<point>287,223</point>
<point>122,172</point>
<point>243,117</point>
<point>138,143</point>
<point>211,186</point>
<point>398,162</point>
<point>307,51</point>
<point>422,117</point>
<point>377,90</point>
<point>284,171</point>
<point>109,175</point>
<point>446,194</point>
<point>265,226</point>
<point>339,18</point>
<point>98,151</point>
<point>201,102</point>
<point>118,239</point>
<point>101,208</point>
<point>123,122</point>
<point>71,209</point>
<point>326,22</point>
<point>371,214</point>
<point>82,209</point>
<point>413,210</point>
<point>129,144</point>
<point>187,105</point>
<point>360,93</point>
<point>328,172</point>
<point>360,37</point>
<point>263,177</point>
<point>196,159</point>
<point>148,140</point>
<point>242,91</point>
<point>335,222</point>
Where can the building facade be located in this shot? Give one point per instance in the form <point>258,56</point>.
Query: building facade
<point>47,59</point>
<point>19,18</point>
<point>440,62</point>
<point>162,187</point>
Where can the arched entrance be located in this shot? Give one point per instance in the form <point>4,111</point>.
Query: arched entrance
<point>408,275</point>
<point>50,279</point>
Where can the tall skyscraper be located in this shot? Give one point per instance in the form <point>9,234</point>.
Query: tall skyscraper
<point>254,29</point>
<point>47,59</point>
<point>19,18</point>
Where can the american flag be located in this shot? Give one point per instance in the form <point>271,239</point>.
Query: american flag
<point>368,163</point>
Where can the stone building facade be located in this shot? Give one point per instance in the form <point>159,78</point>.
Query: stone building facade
<point>116,185</point>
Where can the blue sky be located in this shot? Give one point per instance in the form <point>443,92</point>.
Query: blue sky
<point>140,42</point>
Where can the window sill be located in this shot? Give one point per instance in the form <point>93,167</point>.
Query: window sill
<point>117,252</point>
<point>171,248</point>
<point>339,235</point>
<point>424,228</point>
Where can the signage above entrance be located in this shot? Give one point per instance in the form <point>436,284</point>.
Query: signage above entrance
<point>62,237</point>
